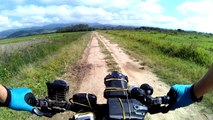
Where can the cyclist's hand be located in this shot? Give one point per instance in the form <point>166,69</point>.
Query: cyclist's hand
<point>20,99</point>
<point>183,97</point>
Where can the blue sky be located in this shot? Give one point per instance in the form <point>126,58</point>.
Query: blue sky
<point>184,14</point>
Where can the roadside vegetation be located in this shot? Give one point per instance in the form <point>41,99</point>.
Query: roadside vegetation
<point>19,39</point>
<point>35,65</point>
<point>176,57</point>
<point>75,28</point>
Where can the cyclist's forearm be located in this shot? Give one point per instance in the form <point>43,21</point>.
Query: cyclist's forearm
<point>205,84</point>
<point>3,94</point>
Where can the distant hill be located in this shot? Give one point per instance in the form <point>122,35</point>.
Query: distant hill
<point>31,31</point>
<point>22,33</point>
<point>53,28</point>
<point>5,33</point>
<point>109,26</point>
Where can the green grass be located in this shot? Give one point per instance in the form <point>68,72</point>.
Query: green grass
<point>181,45</point>
<point>172,69</point>
<point>45,65</point>
<point>11,62</point>
<point>19,39</point>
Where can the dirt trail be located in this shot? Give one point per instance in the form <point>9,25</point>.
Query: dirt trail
<point>92,69</point>
<point>93,81</point>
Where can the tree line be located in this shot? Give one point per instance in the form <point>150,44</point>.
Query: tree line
<point>75,28</point>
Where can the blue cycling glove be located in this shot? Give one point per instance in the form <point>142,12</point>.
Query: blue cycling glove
<point>185,96</point>
<point>19,99</point>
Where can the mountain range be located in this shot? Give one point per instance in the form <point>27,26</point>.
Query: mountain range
<point>51,28</point>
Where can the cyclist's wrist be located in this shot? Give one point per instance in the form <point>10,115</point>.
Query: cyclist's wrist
<point>8,98</point>
<point>193,94</point>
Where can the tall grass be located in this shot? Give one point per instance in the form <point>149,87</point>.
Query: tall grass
<point>184,50</point>
<point>19,39</point>
<point>11,62</point>
<point>51,61</point>
<point>170,68</point>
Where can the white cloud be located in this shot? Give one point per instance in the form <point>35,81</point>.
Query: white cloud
<point>109,5</point>
<point>26,10</point>
<point>17,24</point>
<point>4,20</point>
<point>91,13</point>
<point>33,15</point>
<point>150,7</point>
<point>6,23</point>
<point>126,12</point>
<point>123,12</point>
<point>92,3</point>
<point>198,7</point>
<point>35,20</point>
<point>197,23</point>
<point>145,13</point>
<point>198,14</point>
<point>55,1</point>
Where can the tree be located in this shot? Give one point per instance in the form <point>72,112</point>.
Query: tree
<point>76,28</point>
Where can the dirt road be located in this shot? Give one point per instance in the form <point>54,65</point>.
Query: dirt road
<point>92,69</point>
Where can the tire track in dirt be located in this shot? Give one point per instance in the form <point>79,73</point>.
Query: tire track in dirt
<point>93,81</point>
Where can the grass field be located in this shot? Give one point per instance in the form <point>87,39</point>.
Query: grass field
<point>12,40</point>
<point>35,65</point>
<point>177,58</point>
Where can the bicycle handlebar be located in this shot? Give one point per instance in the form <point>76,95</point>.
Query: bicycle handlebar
<point>51,107</point>
<point>134,100</point>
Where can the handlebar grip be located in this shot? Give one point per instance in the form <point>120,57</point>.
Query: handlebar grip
<point>170,99</point>
<point>135,91</point>
<point>173,96</point>
<point>160,100</point>
<point>30,99</point>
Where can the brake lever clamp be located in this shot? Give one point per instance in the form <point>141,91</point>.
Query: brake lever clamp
<point>139,110</point>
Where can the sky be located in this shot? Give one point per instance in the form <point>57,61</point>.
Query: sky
<point>193,15</point>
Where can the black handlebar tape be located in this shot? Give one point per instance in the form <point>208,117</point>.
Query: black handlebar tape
<point>30,99</point>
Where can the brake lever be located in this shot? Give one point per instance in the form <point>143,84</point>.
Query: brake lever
<point>172,94</point>
<point>39,113</point>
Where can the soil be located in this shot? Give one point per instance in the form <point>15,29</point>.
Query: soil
<point>87,76</point>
